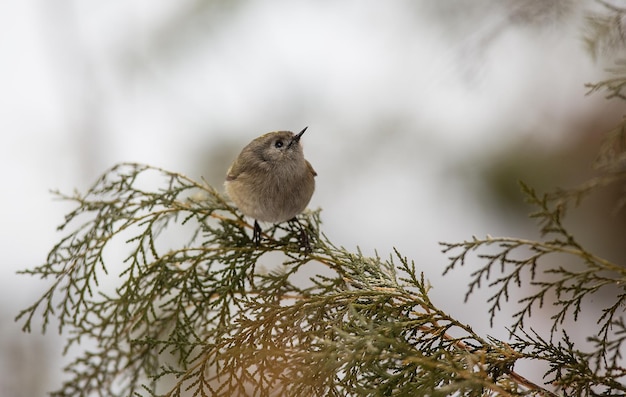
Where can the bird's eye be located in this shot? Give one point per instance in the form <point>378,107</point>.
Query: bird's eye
<point>278,144</point>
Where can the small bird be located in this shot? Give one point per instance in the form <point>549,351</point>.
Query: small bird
<point>271,181</point>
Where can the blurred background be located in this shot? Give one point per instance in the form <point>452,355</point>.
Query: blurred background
<point>422,118</point>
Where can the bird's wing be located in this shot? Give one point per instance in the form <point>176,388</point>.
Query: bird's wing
<point>310,167</point>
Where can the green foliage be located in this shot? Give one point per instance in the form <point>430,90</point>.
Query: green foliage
<point>195,318</point>
<point>605,30</point>
<point>190,314</point>
<point>517,258</point>
<point>615,85</point>
<point>565,275</point>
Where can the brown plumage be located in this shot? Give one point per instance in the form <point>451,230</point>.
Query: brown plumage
<point>270,180</point>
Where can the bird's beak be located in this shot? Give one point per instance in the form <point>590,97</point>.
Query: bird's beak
<point>297,137</point>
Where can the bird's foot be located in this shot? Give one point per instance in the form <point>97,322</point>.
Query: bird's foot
<point>256,234</point>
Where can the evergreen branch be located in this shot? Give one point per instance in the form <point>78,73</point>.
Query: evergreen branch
<point>612,156</point>
<point>577,277</point>
<point>605,30</point>
<point>571,286</point>
<point>196,314</point>
<point>518,258</point>
<point>615,87</point>
<point>570,369</point>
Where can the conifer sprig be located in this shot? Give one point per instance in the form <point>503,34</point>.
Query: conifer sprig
<point>196,308</point>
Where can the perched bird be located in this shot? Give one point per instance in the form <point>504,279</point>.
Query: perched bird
<point>271,181</point>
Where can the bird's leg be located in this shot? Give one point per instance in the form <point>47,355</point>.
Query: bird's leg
<point>256,234</point>
<point>304,241</point>
<point>305,244</point>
